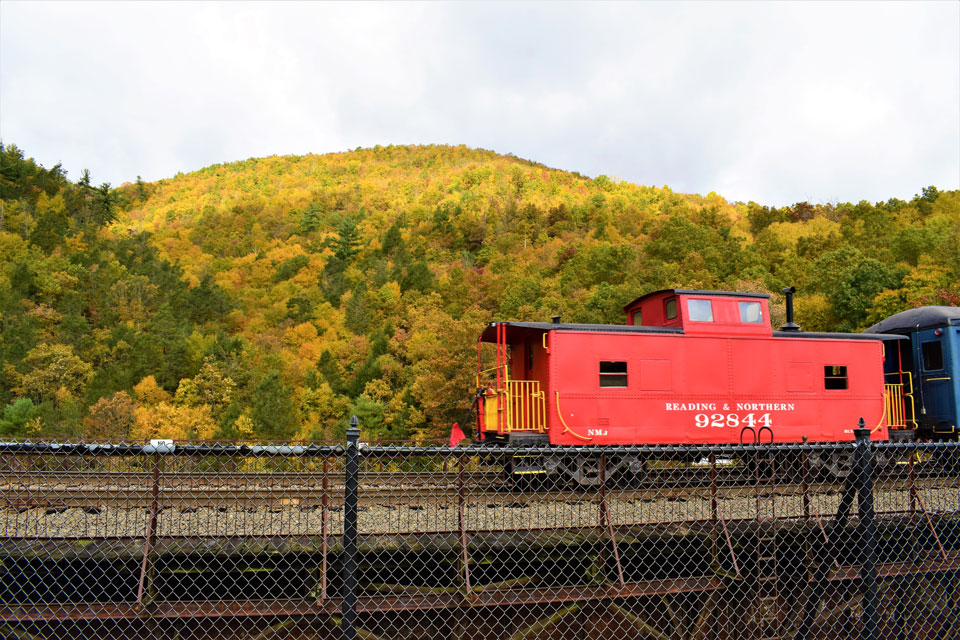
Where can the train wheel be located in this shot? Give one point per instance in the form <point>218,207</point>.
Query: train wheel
<point>832,465</point>
<point>586,470</point>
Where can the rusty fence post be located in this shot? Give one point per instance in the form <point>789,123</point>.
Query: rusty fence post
<point>324,517</point>
<point>461,524</point>
<point>606,520</point>
<point>351,488</point>
<point>150,535</point>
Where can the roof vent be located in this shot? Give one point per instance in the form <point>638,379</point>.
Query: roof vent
<point>556,319</point>
<point>790,325</point>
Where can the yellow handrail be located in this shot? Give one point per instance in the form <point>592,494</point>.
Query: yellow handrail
<point>525,406</point>
<point>893,406</point>
<point>897,397</point>
<point>506,372</point>
<point>520,405</point>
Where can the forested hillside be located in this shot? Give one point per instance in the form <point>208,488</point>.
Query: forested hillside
<point>272,298</point>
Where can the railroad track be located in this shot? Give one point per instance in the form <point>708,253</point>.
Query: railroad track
<point>64,493</point>
<point>62,489</point>
<point>693,475</point>
<point>236,479</point>
<point>70,489</point>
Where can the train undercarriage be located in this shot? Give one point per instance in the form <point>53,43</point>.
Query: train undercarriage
<point>537,463</point>
<point>557,466</point>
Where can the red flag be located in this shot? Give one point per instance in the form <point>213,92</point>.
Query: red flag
<point>456,435</point>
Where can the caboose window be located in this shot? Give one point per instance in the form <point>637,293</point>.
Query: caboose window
<point>637,319</point>
<point>750,312</point>
<point>671,308</point>
<point>613,374</point>
<point>932,355</point>
<point>835,377</point>
<point>700,310</point>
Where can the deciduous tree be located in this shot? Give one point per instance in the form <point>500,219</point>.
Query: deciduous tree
<point>110,418</point>
<point>48,367</point>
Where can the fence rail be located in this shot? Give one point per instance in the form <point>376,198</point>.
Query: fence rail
<point>351,540</point>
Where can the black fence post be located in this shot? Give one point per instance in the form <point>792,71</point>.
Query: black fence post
<point>348,607</point>
<point>830,546</point>
<point>863,468</point>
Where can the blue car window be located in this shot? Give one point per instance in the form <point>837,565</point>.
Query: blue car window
<point>932,355</point>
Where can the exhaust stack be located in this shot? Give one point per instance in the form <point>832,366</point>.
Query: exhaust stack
<point>790,324</point>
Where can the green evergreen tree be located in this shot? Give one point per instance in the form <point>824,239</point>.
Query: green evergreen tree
<point>103,210</point>
<point>328,368</point>
<point>207,302</point>
<point>289,268</point>
<point>391,239</point>
<point>161,349</point>
<point>347,243</point>
<point>357,315</point>
<point>333,281</point>
<point>370,369</point>
<point>273,410</point>
<point>300,308</point>
<point>310,220</point>
<point>50,230</point>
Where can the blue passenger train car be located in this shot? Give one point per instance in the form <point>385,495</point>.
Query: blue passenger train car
<point>932,358</point>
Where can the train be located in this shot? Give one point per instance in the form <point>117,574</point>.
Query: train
<point>694,367</point>
<point>927,363</point>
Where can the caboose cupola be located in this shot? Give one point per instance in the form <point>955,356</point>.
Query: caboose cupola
<point>703,312</point>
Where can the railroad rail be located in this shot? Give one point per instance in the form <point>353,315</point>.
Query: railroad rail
<point>185,492</point>
<point>700,474</point>
<point>178,489</point>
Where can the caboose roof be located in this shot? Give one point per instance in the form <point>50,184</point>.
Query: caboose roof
<point>696,292</point>
<point>816,335</point>
<point>919,318</point>
<point>490,333</point>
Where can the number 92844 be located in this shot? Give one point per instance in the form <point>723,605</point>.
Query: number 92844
<point>704,420</point>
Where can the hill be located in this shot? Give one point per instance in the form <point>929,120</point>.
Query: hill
<point>272,297</point>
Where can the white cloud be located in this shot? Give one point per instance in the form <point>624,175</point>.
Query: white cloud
<point>770,102</point>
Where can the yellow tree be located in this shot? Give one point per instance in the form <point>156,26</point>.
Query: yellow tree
<point>320,411</point>
<point>174,422</point>
<point>442,351</point>
<point>210,387</point>
<point>50,367</point>
<point>149,392</point>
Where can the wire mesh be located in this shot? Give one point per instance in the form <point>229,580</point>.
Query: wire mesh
<point>686,543</point>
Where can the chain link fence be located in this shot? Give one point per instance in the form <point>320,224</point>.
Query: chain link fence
<point>363,541</point>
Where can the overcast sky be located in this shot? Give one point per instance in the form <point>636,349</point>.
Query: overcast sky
<point>771,102</point>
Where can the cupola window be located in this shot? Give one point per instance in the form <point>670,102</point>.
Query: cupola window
<point>700,310</point>
<point>750,312</point>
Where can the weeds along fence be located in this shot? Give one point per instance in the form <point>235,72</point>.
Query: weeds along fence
<point>373,541</point>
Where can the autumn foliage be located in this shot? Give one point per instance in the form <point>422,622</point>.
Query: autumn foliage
<point>272,298</point>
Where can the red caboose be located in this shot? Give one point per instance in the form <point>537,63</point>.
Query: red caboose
<point>689,367</point>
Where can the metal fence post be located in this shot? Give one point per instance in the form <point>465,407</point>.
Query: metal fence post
<point>146,568</point>
<point>351,485</point>
<point>863,468</point>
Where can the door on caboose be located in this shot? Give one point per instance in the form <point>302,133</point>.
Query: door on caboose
<point>936,354</point>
